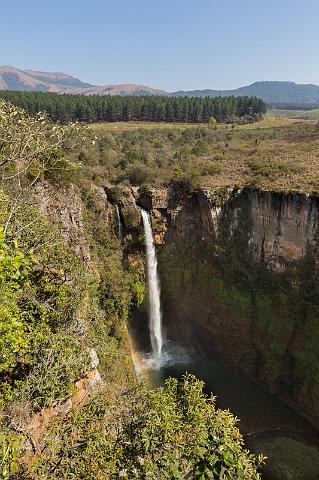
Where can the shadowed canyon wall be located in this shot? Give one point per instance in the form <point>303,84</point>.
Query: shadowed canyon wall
<point>239,277</point>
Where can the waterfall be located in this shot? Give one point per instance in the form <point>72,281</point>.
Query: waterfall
<point>119,223</point>
<point>153,289</point>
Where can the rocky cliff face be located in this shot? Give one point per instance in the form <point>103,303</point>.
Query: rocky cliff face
<point>239,275</point>
<point>284,227</point>
<point>64,207</point>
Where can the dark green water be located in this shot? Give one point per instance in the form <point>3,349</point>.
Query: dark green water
<point>257,409</point>
<point>269,426</point>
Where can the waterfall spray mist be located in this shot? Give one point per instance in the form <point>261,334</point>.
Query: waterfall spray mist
<point>155,320</point>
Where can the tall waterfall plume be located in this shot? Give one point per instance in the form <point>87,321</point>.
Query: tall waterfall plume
<point>155,320</point>
<point>119,223</point>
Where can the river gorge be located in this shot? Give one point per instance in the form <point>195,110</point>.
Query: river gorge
<point>239,295</point>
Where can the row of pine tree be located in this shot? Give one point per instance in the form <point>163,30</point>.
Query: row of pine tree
<point>94,108</point>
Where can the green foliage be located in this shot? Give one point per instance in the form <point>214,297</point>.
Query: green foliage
<point>15,335</point>
<point>177,432</point>
<point>108,297</point>
<point>212,168</point>
<point>266,168</point>
<point>53,309</point>
<point>138,174</point>
<point>240,155</point>
<point>174,432</point>
<point>139,292</point>
<point>38,359</point>
<point>60,361</point>
<point>111,296</point>
<point>81,446</point>
<point>9,453</point>
<point>188,179</point>
<point>290,459</point>
<point>32,149</point>
<point>94,108</point>
<point>212,123</point>
<point>15,265</point>
<point>33,145</point>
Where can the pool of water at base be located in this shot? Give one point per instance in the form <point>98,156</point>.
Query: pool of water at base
<point>263,417</point>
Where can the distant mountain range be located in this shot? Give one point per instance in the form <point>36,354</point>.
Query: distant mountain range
<point>272,92</point>
<point>14,79</point>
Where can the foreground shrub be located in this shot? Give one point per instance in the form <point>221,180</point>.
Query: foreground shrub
<point>9,452</point>
<point>174,432</point>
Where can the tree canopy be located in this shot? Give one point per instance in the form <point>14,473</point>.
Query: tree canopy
<point>94,108</point>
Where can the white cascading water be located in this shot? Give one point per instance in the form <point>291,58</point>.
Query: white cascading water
<point>155,320</point>
<point>119,223</point>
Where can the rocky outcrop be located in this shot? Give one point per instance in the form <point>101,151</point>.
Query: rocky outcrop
<point>239,276</point>
<point>64,207</point>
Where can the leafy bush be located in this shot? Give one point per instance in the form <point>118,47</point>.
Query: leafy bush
<point>33,144</point>
<point>134,154</point>
<point>178,433</point>
<point>39,302</point>
<point>212,123</point>
<point>167,433</point>
<point>267,168</point>
<point>60,361</point>
<point>138,174</point>
<point>212,168</point>
<point>9,453</point>
<point>187,180</point>
<point>15,335</point>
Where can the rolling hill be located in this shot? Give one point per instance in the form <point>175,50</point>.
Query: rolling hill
<point>15,79</point>
<point>272,92</point>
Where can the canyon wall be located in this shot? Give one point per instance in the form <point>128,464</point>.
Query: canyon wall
<point>239,276</point>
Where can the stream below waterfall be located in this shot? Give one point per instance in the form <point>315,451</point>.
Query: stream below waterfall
<point>264,419</point>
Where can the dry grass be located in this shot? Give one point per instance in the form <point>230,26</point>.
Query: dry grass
<point>312,114</point>
<point>276,153</point>
<point>118,127</point>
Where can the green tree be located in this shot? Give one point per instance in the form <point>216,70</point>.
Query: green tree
<point>15,335</point>
<point>31,149</point>
<point>94,108</point>
<point>212,123</point>
<point>177,432</point>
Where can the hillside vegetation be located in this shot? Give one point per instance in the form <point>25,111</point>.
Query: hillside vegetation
<point>69,405</point>
<point>278,154</point>
<point>309,114</point>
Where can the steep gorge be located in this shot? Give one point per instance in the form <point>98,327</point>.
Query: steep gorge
<point>239,278</point>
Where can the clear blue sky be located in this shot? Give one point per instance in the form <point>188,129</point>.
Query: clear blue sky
<point>170,44</point>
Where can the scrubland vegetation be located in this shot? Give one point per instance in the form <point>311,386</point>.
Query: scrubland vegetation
<point>279,154</point>
<point>297,113</point>
<point>57,305</point>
